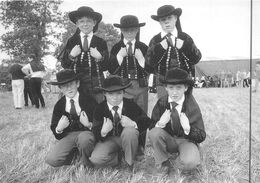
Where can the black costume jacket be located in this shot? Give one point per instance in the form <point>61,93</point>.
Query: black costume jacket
<point>86,104</point>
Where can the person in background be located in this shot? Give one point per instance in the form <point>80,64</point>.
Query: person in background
<point>71,122</point>
<point>17,85</point>
<point>177,125</point>
<point>85,52</point>
<point>256,77</point>
<point>172,47</point>
<point>27,92</point>
<point>127,60</point>
<point>35,70</point>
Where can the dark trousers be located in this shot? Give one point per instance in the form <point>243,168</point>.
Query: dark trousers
<point>27,92</point>
<point>36,91</point>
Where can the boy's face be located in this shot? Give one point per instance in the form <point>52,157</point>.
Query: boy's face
<point>70,89</point>
<point>86,24</point>
<point>176,91</point>
<point>168,23</point>
<point>114,98</point>
<point>129,33</point>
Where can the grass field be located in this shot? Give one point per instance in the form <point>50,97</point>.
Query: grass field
<point>25,139</point>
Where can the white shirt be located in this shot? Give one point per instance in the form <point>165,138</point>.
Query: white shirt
<point>37,74</point>
<point>178,108</point>
<point>119,110</point>
<point>76,103</point>
<point>82,35</point>
<point>173,36</point>
<point>120,59</point>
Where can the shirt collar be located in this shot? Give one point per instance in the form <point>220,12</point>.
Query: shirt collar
<point>89,35</point>
<point>174,33</point>
<point>125,42</point>
<point>111,106</point>
<point>179,102</point>
<point>75,98</point>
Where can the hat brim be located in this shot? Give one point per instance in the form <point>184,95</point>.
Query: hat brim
<point>177,12</point>
<point>189,82</point>
<point>78,76</point>
<point>95,15</point>
<point>114,88</point>
<point>129,26</point>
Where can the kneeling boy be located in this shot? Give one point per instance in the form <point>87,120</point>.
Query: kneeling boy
<point>71,122</point>
<point>177,124</point>
<point>118,124</point>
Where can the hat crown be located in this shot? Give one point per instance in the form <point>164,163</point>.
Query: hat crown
<point>177,74</point>
<point>85,9</point>
<point>65,75</point>
<point>128,20</point>
<point>113,81</point>
<point>165,10</point>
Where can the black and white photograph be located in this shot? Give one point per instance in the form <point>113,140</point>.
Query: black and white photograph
<point>133,91</point>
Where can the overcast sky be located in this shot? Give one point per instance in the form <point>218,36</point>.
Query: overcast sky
<point>219,28</point>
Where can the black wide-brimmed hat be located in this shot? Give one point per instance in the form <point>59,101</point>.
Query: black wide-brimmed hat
<point>65,76</point>
<point>85,11</point>
<point>129,21</point>
<point>166,10</point>
<point>177,76</point>
<point>114,83</point>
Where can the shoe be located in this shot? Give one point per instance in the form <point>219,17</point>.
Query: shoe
<point>164,168</point>
<point>130,169</point>
<point>18,108</point>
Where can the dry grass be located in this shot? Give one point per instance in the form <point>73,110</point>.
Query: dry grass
<point>25,138</point>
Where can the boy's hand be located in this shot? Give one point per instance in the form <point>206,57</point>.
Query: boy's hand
<point>179,43</point>
<point>185,123</point>
<point>127,122</point>
<point>164,44</point>
<point>107,126</point>
<point>122,52</point>
<point>84,120</point>
<point>95,53</point>
<point>63,123</point>
<point>75,51</point>
<point>165,118</point>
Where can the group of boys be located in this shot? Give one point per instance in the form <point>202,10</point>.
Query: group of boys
<point>104,117</point>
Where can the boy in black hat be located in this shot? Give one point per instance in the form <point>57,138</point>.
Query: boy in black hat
<point>127,59</point>
<point>118,124</point>
<point>171,47</point>
<point>177,124</point>
<point>85,52</point>
<point>71,122</point>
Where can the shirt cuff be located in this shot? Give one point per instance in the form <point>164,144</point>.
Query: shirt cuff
<point>119,59</point>
<point>159,125</point>
<point>58,132</point>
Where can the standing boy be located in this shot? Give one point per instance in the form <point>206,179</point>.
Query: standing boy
<point>177,124</point>
<point>127,59</point>
<point>71,122</point>
<point>118,124</point>
<point>171,47</point>
<point>85,52</point>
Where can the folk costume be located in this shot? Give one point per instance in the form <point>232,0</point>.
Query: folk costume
<point>163,60</point>
<point>127,139</point>
<point>129,67</point>
<point>172,137</point>
<point>76,138</point>
<point>84,62</point>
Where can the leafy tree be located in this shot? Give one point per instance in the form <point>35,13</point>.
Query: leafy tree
<point>29,24</point>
